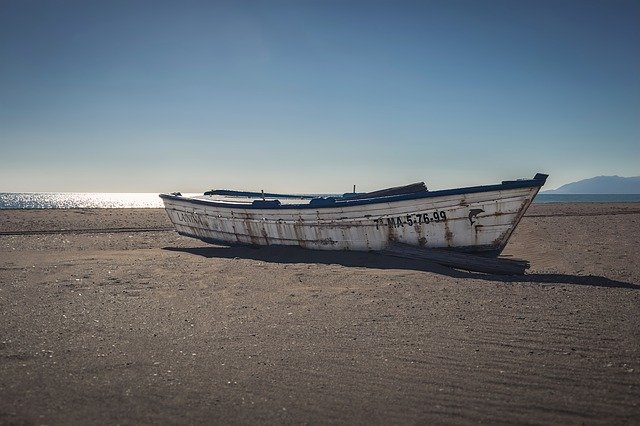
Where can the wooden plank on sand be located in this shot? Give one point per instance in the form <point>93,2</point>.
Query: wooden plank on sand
<point>460,260</point>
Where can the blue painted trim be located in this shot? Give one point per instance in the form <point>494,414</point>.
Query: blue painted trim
<point>538,181</point>
<point>266,204</point>
<point>250,194</point>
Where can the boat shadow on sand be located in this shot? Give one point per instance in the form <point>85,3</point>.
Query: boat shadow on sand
<point>289,255</point>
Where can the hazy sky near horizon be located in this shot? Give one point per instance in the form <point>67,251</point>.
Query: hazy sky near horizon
<point>315,96</point>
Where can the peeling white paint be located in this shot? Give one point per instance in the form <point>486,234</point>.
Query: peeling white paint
<point>479,221</point>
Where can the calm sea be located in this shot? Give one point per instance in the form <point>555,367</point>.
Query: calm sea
<point>68,200</point>
<point>586,198</point>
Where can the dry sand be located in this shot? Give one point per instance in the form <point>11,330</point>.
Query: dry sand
<point>104,323</point>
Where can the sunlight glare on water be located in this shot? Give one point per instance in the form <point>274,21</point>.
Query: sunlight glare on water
<point>68,200</point>
<point>102,200</point>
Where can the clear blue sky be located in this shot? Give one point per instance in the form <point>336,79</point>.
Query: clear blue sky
<point>312,96</point>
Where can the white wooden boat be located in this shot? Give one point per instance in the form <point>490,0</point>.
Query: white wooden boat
<point>478,219</point>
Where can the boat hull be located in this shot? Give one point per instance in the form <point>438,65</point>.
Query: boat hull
<point>479,221</point>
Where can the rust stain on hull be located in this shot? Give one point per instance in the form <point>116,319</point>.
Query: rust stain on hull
<point>484,221</point>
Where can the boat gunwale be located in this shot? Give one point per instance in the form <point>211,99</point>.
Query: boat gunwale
<point>537,181</point>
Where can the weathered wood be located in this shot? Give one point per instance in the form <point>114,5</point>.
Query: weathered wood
<point>460,260</point>
<point>477,218</point>
<point>397,190</point>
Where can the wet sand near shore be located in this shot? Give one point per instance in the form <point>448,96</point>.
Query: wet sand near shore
<point>110,317</point>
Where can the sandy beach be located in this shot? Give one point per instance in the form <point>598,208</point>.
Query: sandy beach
<point>110,317</point>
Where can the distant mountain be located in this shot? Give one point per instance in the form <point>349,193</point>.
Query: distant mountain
<point>601,185</point>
